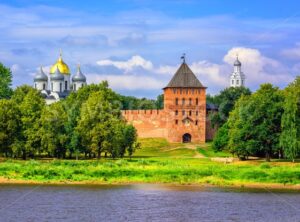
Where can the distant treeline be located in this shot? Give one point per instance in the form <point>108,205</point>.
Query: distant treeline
<point>133,103</point>
<point>265,123</point>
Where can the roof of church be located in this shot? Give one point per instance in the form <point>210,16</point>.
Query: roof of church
<point>184,78</point>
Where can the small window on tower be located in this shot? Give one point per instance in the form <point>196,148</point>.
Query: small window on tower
<point>44,86</point>
<point>197,113</point>
<point>197,102</point>
<point>232,82</point>
<point>183,101</point>
<point>190,101</point>
<point>66,85</point>
<point>176,122</point>
<point>196,122</point>
<point>190,112</point>
<point>176,112</point>
<point>176,101</point>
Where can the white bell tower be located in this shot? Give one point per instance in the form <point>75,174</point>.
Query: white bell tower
<point>237,78</point>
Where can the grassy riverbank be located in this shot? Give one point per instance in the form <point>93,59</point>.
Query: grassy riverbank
<point>161,163</point>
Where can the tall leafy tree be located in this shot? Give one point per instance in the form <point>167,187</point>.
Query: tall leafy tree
<point>221,139</point>
<point>96,123</point>
<point>226,101</point>
<point>52,131</point>
<point>30,104</point>
<point>5,82</point>
<point>9,126</point>
<point>241,138</point>
<point>290,136</point>
<point>254,125</point>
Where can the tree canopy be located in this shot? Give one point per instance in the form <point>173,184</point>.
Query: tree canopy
<point>87,122</point>
<point>225,101</point>
<point>290,123</point>
<point>5,82</point>
<point>254,125</point>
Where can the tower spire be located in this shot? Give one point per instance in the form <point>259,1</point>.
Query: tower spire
<point>183,58</point>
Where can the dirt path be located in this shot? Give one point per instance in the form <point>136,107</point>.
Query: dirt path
<point>194,147</point>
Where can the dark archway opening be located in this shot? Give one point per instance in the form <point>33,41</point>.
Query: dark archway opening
<point>187,138</point>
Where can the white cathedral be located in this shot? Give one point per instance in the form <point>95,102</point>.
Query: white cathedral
<point>237,78</point>
<point>61,83</point>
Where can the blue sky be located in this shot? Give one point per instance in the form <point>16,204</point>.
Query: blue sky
<point>136,45</point>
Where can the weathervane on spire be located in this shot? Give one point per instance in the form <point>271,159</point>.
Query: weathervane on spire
<point>183,58</point>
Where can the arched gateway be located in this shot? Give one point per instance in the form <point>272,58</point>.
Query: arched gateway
<point>187,138</point>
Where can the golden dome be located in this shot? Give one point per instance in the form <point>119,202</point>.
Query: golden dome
<point>63,67</point>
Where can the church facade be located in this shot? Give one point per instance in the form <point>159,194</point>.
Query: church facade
<point>59,83</point>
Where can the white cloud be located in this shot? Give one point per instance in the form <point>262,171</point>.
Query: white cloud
<point>168,70</point>
<point>292,53</point>
<point>129,65</point>
<point>210,74</point>
<point>259,68</point>
<point>127,82</point>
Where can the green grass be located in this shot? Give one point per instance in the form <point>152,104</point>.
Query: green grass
<point>207,151</point>
<point>154,147</point>
<point>150,170</point>
<point>157,162</point>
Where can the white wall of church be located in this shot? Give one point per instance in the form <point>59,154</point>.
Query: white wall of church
<point>41,85</point>
<point>57,86</point>
<point>67,82</point>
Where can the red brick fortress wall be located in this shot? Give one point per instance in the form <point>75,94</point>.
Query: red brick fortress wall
<point>149,123</point>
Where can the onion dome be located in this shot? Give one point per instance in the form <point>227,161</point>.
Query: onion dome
<point>237,62</point>
<point>61,65</point>
<point>57,75</point>
<point>41,76</point>
<point>79,77</point>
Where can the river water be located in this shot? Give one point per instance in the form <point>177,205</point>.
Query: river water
<point>145,203</point>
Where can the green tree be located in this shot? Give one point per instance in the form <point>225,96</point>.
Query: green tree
<point>30,104</point>
<point>5,82</point>
<point>160,101</point>
<point>254,124</point>
<point>52,131</point>
<point>221,138</point>
<point>9,126</point>
<point>226,101</point>
<point>73,104</point>
<point>96,123</point>
<point>241,138</point>
<point>130,143</point>
<point>290,123</point>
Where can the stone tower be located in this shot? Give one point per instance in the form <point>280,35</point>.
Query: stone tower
<point>184,117</point>
<point>185,106</point>
<point>237,78</point>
